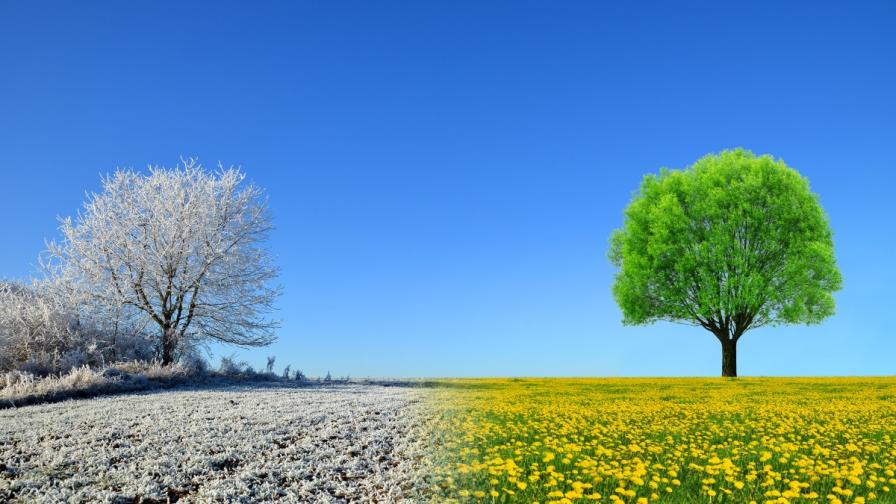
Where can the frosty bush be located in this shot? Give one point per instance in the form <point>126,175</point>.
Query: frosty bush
<point>35,327</point>
<point>231,367</point>
<point>47,327</point>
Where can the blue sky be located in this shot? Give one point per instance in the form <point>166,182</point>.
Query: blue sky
<point>444,175</point>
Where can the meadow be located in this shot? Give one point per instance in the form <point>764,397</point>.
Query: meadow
<point>763,440</point>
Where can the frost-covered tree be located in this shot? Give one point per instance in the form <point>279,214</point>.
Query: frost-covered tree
<point>181,247</point>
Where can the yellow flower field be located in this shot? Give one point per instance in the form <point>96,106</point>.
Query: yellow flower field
<point>830,440</point>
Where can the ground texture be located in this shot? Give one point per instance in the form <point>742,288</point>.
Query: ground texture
<point>351,443</point>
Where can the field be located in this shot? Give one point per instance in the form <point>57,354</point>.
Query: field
<point>467,441</point>
<point>666,440</point>
<point>259,443</point>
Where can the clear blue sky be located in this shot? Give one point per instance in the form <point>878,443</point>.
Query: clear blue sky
<point>444,175</point>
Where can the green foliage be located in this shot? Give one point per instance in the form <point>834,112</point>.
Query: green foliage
<point>731,243</point>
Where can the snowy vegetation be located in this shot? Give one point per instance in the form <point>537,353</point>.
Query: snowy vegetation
<point>181,249</point>
<point>21,388</point>
<point>257,443</point>
<point>45,329</point>
<point>154,267</point>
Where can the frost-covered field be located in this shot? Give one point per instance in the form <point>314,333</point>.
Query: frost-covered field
<point>350,443</point>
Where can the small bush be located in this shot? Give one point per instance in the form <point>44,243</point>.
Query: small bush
<point>194,364</point>
<point>12,378</point>
<point>74,358</point>
<point>46,329</point>
<point>230,367</point>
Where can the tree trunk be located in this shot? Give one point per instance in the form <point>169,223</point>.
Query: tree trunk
<point>729,358</point>
<point>168,343</point>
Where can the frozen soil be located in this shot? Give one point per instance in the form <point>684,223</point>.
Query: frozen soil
<point>348,443</point>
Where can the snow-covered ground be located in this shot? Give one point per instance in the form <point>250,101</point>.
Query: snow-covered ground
<point>260,443</point>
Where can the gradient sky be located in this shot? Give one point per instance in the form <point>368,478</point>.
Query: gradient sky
<point>444,175</point>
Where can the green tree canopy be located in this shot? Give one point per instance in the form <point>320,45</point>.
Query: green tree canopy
<point>734,242</point>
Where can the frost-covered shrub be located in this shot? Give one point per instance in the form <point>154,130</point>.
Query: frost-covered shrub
<point>299,376</point>
<point>73,358</point>
<point>156,371</point>
<point>47,327</point>
<point>11,378</point>
<point>228,366</point>
<point>80,378</point>
<point>38,363</point>
<point>132,367</point>
<point>194,364</point>
<point>134,345</point>
<point>36,327</point>
<point>231,367</point>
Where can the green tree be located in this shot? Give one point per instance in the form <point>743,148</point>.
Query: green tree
<point>732,243</point>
